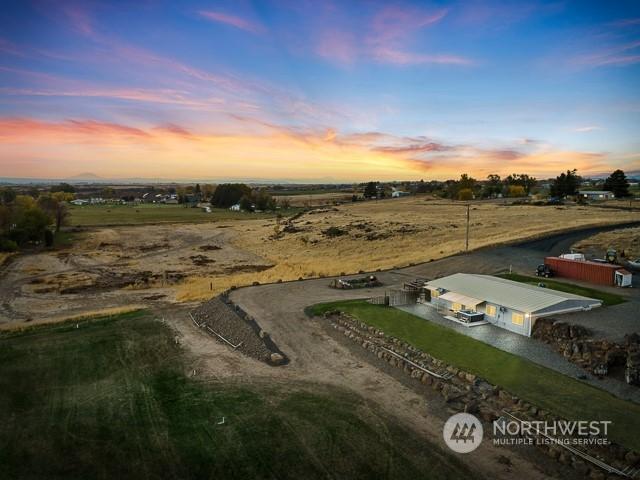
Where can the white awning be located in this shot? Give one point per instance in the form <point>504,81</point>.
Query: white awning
<point>461,299</point>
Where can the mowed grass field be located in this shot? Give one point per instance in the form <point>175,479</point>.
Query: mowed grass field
<point>101,215</point>
<point>564,396</point>
<point>111,399</point>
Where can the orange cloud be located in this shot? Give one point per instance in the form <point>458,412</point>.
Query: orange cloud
<point>30,147</point>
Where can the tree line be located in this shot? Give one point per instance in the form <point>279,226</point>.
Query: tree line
<point>25,219</point>
<point>519,185</point>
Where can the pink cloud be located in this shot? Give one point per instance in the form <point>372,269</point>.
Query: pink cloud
<point>626,22</point>
<point>159,96</point>
<point>336,45</point>
<point>10,48</point>
<point>414,148</point>
<point>385,39</point>
<point>389,55</point>
<point>588,128</point>
<point>392,23</point>
<point>619,55</point>
<point>232,20</point>
<point>79,19</point>
<point>16,128</point>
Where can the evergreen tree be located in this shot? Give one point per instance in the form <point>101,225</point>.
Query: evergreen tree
<point>618,184</point>
<point>565,184</point>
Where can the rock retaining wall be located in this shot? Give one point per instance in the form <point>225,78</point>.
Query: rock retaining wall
<point>225,318</point>
<point>464,391</point>
<point>597,356</point>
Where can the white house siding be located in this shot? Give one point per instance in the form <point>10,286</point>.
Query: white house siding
<point>504,319</point>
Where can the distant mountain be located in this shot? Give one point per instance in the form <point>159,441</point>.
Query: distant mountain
<point>86,177</point>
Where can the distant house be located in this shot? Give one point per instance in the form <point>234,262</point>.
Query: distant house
<point>79,202</point>
<point>596,194</point>
<point>399,193</point>
<point>235,208</point>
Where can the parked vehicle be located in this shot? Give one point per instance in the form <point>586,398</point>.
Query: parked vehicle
<point>635,264</point>
<point>573,256</point>
<point>544,271</point>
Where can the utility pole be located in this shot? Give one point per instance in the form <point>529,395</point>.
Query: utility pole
<point>466,245</point>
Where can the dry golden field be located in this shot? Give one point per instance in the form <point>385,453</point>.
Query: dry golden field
<point>108,267</point>
<point>385,234</point>
<point>626,239</point>
<point>315,199</point>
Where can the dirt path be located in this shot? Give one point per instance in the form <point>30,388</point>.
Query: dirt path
<point>317,359</point>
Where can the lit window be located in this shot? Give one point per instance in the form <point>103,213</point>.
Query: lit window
<point>490,310</point>
<point>517,318</point>
<point>456,307</point>
<point>435,293</point>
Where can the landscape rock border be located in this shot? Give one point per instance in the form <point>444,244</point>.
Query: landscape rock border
<point>466,392</point>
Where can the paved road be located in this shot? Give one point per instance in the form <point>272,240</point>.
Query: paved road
<point>279,307</point>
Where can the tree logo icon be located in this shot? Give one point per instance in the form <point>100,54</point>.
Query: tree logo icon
<point>462,432</point>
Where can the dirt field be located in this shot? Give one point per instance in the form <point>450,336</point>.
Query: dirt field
<point>159,264</point>
<point>108,267</point>
<point>625,240</point>
<point>371,235</point>
<point>315,199</point>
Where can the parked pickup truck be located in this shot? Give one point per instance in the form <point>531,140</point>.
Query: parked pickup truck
<point>544,271</point>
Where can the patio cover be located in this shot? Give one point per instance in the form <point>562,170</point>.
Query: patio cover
<point>461,299</point>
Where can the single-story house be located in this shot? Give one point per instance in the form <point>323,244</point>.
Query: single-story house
<point>399,193</point>
<point>596,194</point>
<point>507,304</point>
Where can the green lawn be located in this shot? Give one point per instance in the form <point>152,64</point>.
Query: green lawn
<point>557,393</point>
<point>96,215</point>
<point>606,297</point>
<point>111,399</point>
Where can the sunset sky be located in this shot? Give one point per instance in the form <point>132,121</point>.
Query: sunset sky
<point>318,91</point>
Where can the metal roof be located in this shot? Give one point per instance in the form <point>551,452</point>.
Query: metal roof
<point>507,293</point>
<point>462,299</point>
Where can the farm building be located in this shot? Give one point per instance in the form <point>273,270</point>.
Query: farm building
<point>504,303</point>
<point>596,194</point>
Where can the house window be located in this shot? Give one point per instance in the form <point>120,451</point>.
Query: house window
<point>456,307</point>
<point>435,293</point>
<point>517,318</point>
<point>490,310</point>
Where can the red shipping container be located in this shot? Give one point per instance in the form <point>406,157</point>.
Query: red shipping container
<point>593,272</point>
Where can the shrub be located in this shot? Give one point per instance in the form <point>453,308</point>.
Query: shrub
<point>334,232</point>
<point>7,245</point>
<point>465,194</point>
